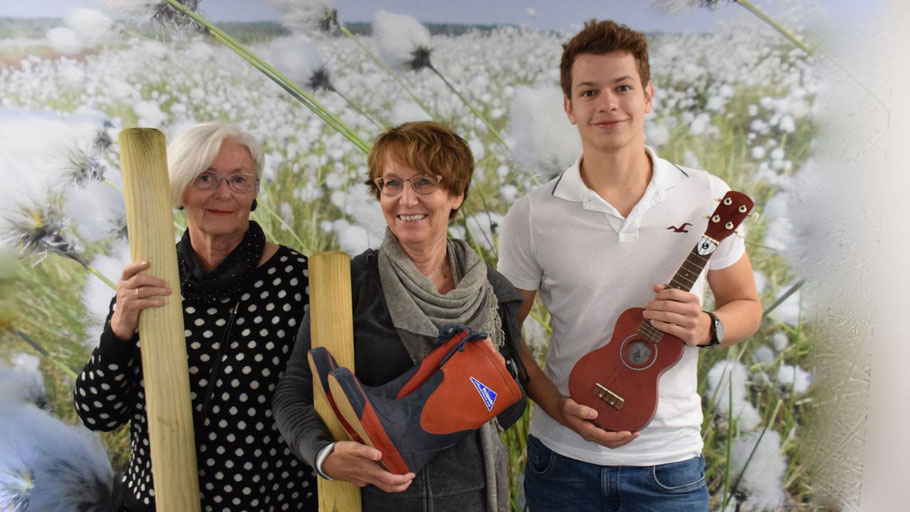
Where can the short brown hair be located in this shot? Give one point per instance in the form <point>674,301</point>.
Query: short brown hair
<point>427,147</point>
<point>599,38</point>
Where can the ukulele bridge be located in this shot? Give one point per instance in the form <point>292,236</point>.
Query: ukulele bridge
<point>612,399</point>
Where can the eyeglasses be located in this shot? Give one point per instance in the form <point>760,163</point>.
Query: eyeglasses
<point>422,184</point>
<point>240,182</point>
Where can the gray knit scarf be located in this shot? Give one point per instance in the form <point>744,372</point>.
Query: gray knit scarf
<point>418,311</point>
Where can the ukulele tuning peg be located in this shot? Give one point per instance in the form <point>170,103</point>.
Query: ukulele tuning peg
<point>739,234</point>
<point>707,215</point>
<point>755,215</point>
<point>717,199</point>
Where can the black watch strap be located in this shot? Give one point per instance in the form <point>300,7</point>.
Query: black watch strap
<point>716,331</point>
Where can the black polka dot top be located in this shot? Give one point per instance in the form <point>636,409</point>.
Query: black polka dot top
<point>235,359</point>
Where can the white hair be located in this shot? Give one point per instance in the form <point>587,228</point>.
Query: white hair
<point>191,154</point>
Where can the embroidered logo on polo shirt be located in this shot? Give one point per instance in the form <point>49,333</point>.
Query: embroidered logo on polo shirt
<point>684,228</point>
<point>487,394</point>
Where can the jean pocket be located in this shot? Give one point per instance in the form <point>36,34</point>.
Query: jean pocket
<point>680,477</point>
<point>540,458</point>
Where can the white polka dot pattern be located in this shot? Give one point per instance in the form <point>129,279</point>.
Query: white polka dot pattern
<point>234,452</point>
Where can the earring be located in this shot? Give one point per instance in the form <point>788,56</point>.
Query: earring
<point>255,204</point>
<point>180,207</point>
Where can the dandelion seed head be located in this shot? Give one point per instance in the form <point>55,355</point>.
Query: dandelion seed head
<point>307,16</point>
<point>404,42</point>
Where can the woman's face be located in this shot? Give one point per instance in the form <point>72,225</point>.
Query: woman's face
<point>221,211</point>
<point>416,219</point>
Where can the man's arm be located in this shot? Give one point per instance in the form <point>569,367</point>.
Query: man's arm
<point>563,409</point>
<point>736,304</point>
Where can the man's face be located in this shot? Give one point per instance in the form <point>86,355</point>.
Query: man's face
<point>608,102</point>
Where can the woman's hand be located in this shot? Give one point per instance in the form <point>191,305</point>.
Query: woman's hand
<point>135,292</point>
<point>359,464</point>
<point>578,418</point>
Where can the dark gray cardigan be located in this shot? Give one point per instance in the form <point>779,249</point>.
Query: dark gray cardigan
<point>453,480</point>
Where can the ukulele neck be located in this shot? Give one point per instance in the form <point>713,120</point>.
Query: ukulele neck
<point>683,280</point>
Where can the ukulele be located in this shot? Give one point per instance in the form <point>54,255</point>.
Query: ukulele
<point>620,379</point>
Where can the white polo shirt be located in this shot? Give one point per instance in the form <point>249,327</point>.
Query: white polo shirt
<point>590,264</point>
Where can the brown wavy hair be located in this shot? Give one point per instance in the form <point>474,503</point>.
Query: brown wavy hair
<point>599,38</point>
<point>427,147</point>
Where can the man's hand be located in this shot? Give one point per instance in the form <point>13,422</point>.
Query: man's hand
<point>359,464</point>
<point>578,418</point>
<point>679,313</point>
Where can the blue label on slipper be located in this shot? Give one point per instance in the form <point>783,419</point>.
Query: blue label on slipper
<point>487,394</point>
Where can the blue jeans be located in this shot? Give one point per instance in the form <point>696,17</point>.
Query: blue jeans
<point>554,483</point>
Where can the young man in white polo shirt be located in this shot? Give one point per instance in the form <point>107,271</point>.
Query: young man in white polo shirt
<point>599,239</point>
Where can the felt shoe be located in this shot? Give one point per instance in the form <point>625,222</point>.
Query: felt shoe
<point>456,389</point>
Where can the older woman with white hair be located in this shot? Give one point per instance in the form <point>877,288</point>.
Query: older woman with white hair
<point>243,299</point>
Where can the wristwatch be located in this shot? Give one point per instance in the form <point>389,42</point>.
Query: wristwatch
<point>717,331</point>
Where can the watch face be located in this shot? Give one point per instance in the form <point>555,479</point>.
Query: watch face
<point>718,329</point>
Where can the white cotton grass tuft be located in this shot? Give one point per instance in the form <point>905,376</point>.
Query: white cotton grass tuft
<point>50,466</point>
<point>482,228</point>
<point>307,16</point>
<point>757,464</point>
<point>158,11</point>
<point>794,377</point>
<point>678,6</point>
<point>39,229</point>
<point>23,383</point>
<point>91,27</point>
<point>297,58</point>
<point>366,212</point>
<point>727,382</point>
<point>543,140</point>
<point>96,294</point>
<point>64,40</point>
<point>404,110</point>
<point>788,311</point>
<point>404,43</point>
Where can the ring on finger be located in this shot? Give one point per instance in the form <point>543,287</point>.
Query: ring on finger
<point>137,292</point>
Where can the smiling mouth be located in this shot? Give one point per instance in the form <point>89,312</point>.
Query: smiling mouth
<point>412,218</point>
<point>609,124</point>
<point>220,212</point>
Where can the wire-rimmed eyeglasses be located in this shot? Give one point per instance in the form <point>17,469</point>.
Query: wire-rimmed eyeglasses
<point>422,184</point>
<point>239,182</point>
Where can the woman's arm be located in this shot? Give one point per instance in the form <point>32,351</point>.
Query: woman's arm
<point>292,403</point>
<point>105,391</point>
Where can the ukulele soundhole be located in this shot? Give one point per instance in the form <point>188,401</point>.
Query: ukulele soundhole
<point>637,353</point>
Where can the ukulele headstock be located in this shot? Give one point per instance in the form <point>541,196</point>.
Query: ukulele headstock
<point>734,207</point>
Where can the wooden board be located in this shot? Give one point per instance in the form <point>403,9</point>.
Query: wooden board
<point>332,326</point>
<point>168,406</point>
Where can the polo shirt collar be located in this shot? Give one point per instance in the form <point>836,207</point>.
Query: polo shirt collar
<point>664,177</point>
<point>571,187</point>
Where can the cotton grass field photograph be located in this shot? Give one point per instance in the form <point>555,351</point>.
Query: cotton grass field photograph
<point>743,98</point>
